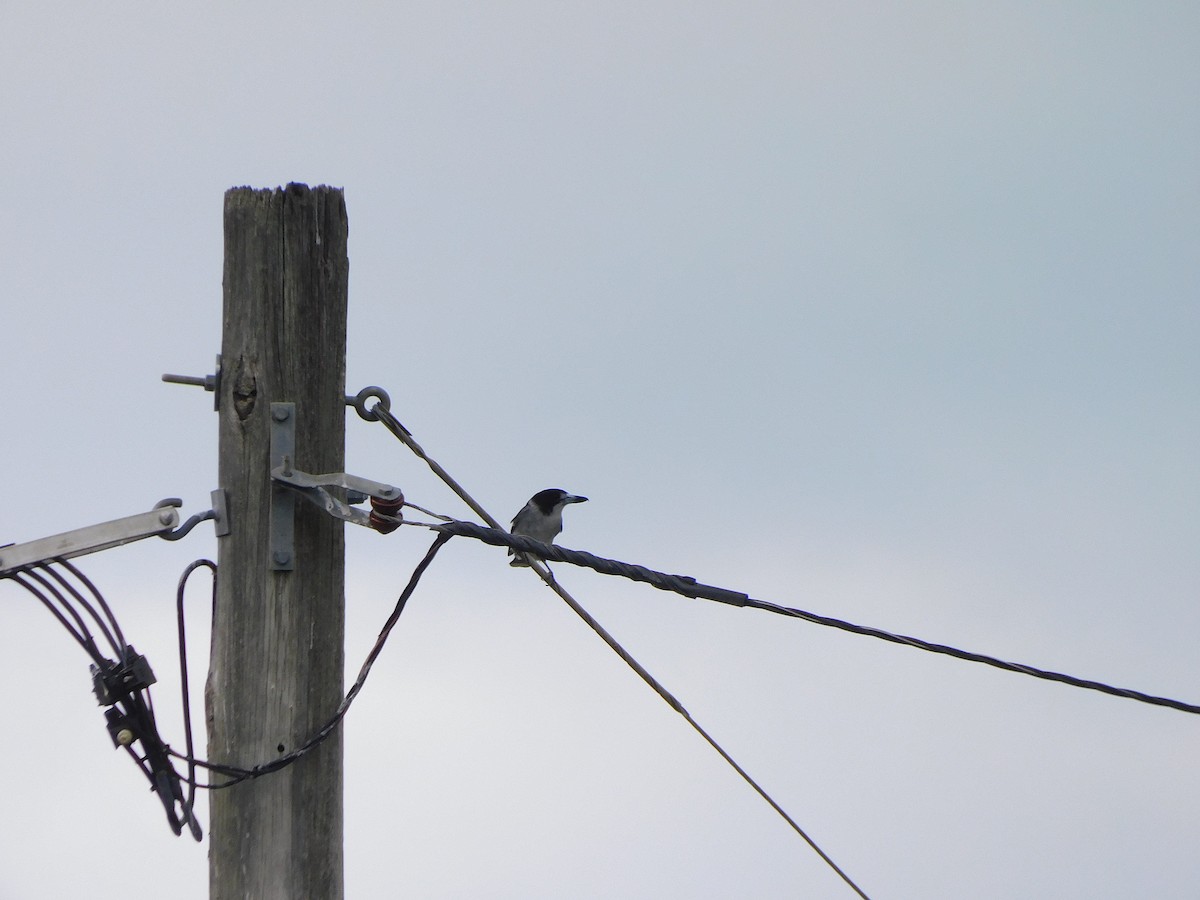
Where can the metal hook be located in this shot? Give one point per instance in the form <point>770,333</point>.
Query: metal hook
<point>359,402</point>
<point>219,514</point>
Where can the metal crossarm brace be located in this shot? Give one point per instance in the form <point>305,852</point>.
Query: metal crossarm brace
<point>290,482</point>
<point>313,489</point>
<point>88,540</point>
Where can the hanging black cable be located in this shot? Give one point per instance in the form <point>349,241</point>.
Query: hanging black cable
<point>236,774</point>
<point>189,804</point>
<point>121,685</point>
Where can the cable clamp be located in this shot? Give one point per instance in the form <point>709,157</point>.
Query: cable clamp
<point>116,680</point>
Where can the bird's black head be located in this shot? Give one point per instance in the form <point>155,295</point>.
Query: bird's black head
<point>548,499</point>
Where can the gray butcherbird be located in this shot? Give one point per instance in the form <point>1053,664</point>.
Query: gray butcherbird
<point>541,518</point>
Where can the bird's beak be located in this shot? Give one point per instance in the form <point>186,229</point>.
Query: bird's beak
<point>571,498</point>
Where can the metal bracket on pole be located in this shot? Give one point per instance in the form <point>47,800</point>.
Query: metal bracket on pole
<point>385,499</point>
<point>283,501</point>
<point>288,482</point>
<point>88,540</point>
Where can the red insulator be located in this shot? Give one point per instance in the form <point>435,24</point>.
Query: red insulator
<point>385,514</point>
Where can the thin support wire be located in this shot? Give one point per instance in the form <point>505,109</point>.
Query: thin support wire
<point>429,512</point>
<point>546,576</point>
<point>405,437</point>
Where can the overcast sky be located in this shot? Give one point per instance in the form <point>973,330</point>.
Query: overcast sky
<point>885,311</point>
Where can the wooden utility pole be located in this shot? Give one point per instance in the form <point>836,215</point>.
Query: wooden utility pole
<point>277,639</point>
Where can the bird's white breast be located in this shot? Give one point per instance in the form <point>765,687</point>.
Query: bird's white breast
<point>532,523</point>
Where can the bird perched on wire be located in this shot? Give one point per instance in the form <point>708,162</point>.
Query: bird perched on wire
<point>541,518</point>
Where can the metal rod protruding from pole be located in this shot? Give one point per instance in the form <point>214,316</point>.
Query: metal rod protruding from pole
<point>210,383</point>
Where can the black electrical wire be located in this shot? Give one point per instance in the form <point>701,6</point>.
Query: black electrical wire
<point>122,685</point>
<point>40,574</point>
<point>116,627</point>
<point>970,656</point>
<point>112,634</point>
<point>189,804</point>
<point>79,631</point>
<point>108,624</point>
<point>689,587</point>
<point>236,774</point>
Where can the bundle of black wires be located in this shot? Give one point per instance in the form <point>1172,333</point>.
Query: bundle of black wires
<point>121,682</point>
